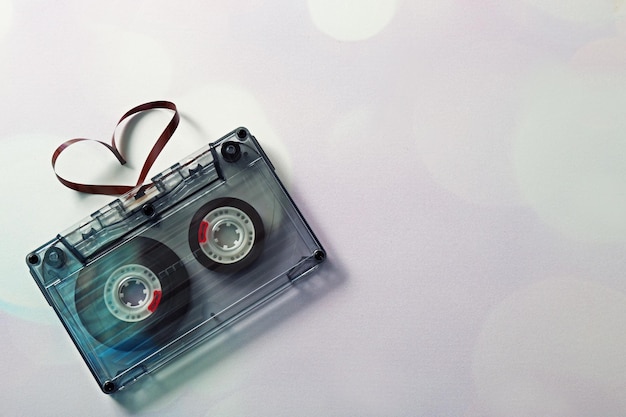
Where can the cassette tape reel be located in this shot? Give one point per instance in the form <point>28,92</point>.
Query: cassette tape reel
<point>226,234</point>
<point>168,265</point>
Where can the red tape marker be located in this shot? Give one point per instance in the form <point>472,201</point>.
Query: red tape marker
<point>202,232</point>
<point>156,299</point>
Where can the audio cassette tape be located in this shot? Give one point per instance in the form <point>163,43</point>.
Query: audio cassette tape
<point>171,263</point>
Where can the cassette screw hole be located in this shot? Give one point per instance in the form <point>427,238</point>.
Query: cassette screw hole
<point>108,387</point>
<point>241,133</point>
<point>33,259</point>
<point>148,210</point>
<point>319,255</point>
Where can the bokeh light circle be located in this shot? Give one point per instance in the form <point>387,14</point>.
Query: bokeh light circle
<point>554,348</point>
<point>351,20</point>
<point>570,154</point>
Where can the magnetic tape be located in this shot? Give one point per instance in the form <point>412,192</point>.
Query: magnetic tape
<point>169,264</point>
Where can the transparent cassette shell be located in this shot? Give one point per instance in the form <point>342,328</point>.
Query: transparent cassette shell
<point>166,266</point>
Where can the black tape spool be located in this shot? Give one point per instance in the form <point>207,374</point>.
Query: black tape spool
<point>227,263</point>
<point>161,324</point>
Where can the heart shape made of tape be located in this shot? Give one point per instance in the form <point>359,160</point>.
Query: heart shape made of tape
<point>152,156</point>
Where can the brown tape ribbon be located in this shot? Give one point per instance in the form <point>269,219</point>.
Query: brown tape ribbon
<point>152,156</point>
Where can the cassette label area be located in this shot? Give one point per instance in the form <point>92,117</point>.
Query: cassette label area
<point>169,264</point>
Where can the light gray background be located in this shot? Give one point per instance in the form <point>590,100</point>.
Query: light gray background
<point>463,163</point>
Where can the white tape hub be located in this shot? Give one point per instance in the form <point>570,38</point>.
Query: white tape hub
<point>230,235</point>
<point>132,293</point>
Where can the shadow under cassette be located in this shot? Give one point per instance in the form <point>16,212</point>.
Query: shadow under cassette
<point>167,265</point>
